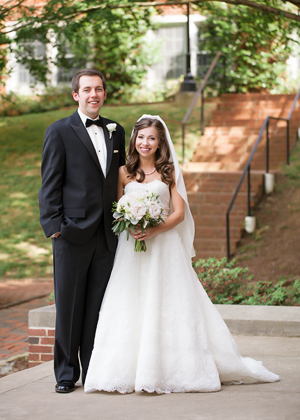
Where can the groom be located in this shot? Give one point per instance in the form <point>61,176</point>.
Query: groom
<point>81,159</point>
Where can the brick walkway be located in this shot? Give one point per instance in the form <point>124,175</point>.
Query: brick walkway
<point>14,328</point>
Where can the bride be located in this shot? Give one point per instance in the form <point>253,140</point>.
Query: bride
<point>158,331</point>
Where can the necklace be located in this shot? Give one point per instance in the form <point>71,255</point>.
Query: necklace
<point>150,173</point>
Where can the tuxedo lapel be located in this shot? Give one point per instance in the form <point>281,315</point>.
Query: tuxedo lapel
<point>81,132</point>
<point>109,145</point>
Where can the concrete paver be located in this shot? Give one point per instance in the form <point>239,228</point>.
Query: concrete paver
<point>30,394</point>
<point>14,328</point>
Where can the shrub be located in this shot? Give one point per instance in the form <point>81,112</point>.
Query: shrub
<point>265,293</point>
<point>13,104</point>
<point>223,282</point>
<point>226,284</point>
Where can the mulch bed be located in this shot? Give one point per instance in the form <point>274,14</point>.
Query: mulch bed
<point>17,365</point>
<point>272,252</point>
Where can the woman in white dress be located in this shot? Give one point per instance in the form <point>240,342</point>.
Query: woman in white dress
<point>158,331</point>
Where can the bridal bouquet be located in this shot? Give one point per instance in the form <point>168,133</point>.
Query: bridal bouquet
<point>137,208</point>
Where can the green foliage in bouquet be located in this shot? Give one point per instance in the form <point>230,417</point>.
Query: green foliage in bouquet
<point>126,220</point>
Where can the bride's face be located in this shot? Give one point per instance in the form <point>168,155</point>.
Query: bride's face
<point>147,142</point>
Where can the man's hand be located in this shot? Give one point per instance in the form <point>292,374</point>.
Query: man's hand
<point>55,235</point>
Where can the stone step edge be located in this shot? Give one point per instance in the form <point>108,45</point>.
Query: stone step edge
<point>253,320</point>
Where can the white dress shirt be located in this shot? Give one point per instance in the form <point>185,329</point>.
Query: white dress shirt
<point>97,136</point>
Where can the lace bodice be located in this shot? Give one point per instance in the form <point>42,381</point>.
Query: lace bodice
<point>160,188</point>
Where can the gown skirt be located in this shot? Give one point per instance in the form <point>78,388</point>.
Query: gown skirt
<point>158,330</point>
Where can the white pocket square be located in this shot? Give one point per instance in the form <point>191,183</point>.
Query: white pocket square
<point>116,151</point>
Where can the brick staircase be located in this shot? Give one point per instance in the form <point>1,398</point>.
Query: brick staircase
<point>219,160</point>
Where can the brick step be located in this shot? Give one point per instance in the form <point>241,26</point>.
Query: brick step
<point>261,165</point>
<point>202,221</point>
<point>248,122</point>
<point>225,198</point>
<point>218,232</point>
<point>247,130</point>
<point>253,106</point>
<point>219,140</point>
<point>212,246</point>
<point>257,114</point>
<point>236,129</point>
<point>214,166</point>
<point>228,176</point>
<point>258,106</point>
<point>226,147</point>
<point>219,211</point>
<point>215,245</point>
<point>239,158</point>
<point>218,155</point>
<point>231,122</point>
<point>215,187</point>
<point>242,97</point>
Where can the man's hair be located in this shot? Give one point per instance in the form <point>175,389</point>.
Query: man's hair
<point>86,72</point>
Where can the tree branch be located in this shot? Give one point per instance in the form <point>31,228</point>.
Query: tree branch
<point>295,2</point>
<point>252,4</point>
<point>249,3</point>
<point>12,7</point>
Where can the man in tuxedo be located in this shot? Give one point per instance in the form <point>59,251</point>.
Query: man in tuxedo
<point>81,159</point>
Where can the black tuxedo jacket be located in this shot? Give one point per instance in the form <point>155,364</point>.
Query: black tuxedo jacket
<point>75,196</point>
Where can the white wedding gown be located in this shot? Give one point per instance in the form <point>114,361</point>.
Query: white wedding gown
<point>158,331</point>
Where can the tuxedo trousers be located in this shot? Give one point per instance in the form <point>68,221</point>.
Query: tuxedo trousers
<point>81,274</point>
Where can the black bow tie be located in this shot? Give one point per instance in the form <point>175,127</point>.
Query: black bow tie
<point>98,122</point>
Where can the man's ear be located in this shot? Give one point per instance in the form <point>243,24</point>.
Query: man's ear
<point>105,94</point>
<point>75,96</point>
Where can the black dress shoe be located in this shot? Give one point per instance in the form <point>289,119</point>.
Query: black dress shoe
<point>64,389</point>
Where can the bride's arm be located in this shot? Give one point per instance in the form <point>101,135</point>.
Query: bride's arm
<point>171,221</point>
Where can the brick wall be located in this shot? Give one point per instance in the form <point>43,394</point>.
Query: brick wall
<point>41,345</point>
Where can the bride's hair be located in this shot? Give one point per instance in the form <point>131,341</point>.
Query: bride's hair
<point>162,155</point>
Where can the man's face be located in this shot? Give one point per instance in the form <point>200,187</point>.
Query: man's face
<point>90,96</point>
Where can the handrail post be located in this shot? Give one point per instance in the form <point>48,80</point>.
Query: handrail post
<point>183,126</point>
<point>267,149</point>
<point>249,191</point>
<point>247,169</point>
<point>288,142</point>
<point>228,236</point>
<point>202,113</point>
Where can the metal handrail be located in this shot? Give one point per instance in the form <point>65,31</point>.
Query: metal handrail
<point>247,168</point>
<point>198,93</point>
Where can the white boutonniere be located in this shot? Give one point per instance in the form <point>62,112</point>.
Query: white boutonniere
<point>111,127</point>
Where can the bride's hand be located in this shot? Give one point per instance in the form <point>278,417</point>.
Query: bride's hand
<point>140,236</point>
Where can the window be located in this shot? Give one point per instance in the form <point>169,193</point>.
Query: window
<point>24,77</point>
<point>172,64</point>
<point>65,75</point>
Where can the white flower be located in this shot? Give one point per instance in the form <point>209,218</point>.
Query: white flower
<point>154,210</point>
<point>111,127</point>
<point>138,210</point>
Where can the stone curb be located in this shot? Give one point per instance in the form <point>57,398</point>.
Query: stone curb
<point>241,319</point>
<point>280,321</point>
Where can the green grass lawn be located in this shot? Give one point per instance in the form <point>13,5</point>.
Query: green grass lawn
<point>24,250</point>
